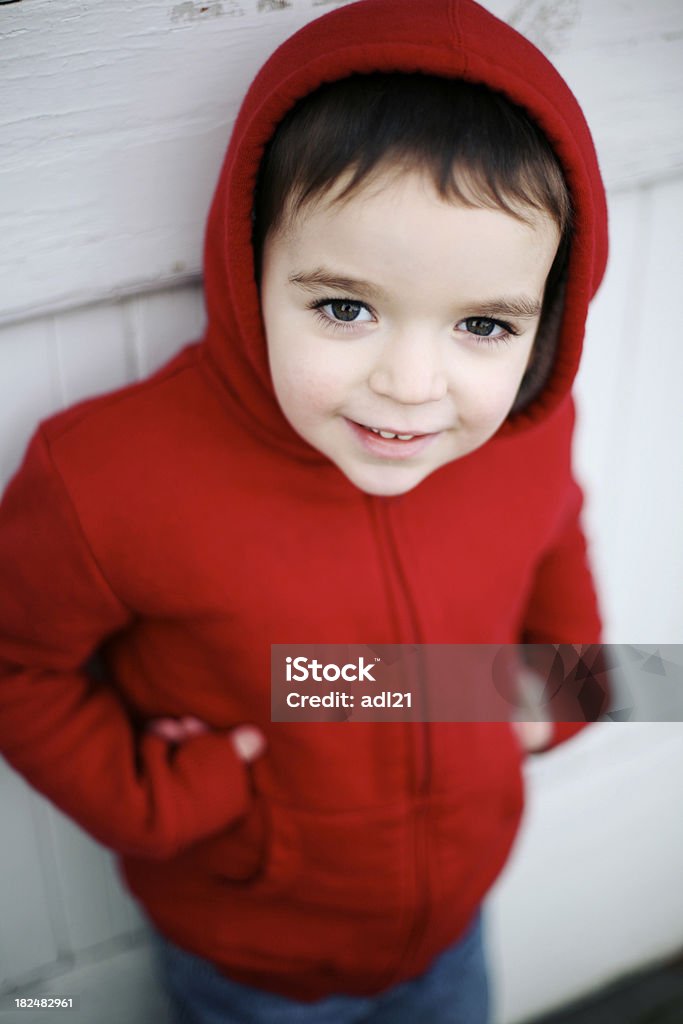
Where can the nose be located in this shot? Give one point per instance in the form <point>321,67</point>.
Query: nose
<point>409,369</point>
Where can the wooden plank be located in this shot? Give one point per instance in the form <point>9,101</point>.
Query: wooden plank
<point>53,361</point>
<point>165,321</point>
<point>647,563</point>
<point>27,940</point>
<point>82,890</point>
<point>29,387</point>
<point>607,52</point>
<point>94,351</point>
<point>605,376</point>
<point>111,147</point>
<point>121,988</point>
<point>125,916</point>
<point>592,888</point>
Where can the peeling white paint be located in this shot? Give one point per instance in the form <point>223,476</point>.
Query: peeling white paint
<point>547,23</point>
<point>115,119</point>
<point>209,9</point>
<point>273,5</point>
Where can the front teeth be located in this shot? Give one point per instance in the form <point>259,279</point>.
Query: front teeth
<point>389,436</point>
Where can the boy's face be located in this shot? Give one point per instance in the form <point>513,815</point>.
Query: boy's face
<point>394,311</point>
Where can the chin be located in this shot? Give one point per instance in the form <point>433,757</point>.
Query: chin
<point>386,483</point>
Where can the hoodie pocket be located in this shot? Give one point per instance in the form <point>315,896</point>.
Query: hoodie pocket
<point>344,885</point>
<point>260,852</point>
<point>358,861</point>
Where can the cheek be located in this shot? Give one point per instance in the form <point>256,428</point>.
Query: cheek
<point>304,383</point>
<point>490,390</point>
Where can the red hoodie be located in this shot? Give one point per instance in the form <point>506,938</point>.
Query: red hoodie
<point>181,526</point>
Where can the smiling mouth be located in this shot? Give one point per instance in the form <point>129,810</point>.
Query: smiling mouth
<point>391,445</point>
<point>391,435</point>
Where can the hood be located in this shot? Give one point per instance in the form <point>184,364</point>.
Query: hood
<point>454,38</point>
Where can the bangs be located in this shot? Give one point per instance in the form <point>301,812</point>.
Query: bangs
<point>477,147</point>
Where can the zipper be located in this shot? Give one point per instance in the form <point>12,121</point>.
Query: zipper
<point>420,729</point>
<point>423,761</point>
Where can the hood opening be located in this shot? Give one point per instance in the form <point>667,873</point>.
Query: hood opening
<point>453,39</point>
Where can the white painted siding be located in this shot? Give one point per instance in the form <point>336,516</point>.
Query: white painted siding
<point>114,120</point>
<point>630,420</point>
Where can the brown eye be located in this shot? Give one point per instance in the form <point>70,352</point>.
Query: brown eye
<point>490,331</point>
<point>480,325</point>
<point>341,314</point>
<point>344,309</point>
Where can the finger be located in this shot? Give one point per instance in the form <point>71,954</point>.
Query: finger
<point>193,726</point>
<point>248,741</point>
<point>167,728</point>
<point>533,735</point>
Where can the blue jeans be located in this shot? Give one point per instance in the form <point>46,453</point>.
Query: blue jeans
<point>454,990</point>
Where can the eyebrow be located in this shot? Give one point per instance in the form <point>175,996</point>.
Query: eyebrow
<point>322,278</point>
<point>522,307</point>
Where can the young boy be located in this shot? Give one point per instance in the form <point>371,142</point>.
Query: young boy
<point>371,443</point>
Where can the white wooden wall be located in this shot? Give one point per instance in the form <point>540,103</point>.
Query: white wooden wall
<point>113,123</point>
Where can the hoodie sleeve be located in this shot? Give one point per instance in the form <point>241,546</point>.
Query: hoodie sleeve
<point>563,608</point>
<point>66,732</point>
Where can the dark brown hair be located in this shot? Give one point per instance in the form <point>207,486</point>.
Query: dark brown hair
<point>479,148</point>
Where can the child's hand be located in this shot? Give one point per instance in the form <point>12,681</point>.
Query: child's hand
<point>533,735</point>
<point>248,741</point>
